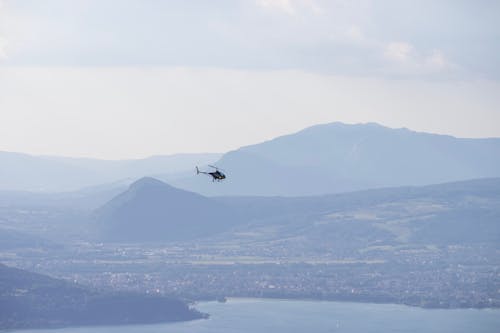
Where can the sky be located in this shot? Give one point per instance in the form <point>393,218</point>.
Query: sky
<point>121,79</point>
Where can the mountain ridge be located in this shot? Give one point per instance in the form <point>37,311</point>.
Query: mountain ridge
<point>325,158</point>
<point>337,157</point>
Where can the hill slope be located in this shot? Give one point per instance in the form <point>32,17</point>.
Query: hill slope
<point>30,300</point>
<point>151,210</point>
<point>460,213</point>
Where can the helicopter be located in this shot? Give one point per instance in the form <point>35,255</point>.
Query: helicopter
<point>217,175</point>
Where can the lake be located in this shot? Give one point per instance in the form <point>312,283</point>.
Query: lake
<point>266,315</point>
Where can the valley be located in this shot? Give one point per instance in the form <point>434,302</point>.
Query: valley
<point>312,215</point>
<point>418,246</point>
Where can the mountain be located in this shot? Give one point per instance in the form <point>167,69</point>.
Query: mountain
<point>328,158</point>
<point>150,210</point>
<point>458,213</point>
<point>23,172</point>
<point>30,300</point>
<point>336,157</point>
<point>451,213</point>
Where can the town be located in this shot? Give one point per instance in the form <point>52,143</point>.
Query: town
<point>448,277</point>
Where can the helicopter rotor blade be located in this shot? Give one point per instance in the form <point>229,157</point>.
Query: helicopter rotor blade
<point>216,168</point>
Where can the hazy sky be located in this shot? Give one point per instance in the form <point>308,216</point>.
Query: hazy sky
<point>132,78</point>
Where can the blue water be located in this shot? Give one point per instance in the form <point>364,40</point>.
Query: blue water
<point>262,315</point>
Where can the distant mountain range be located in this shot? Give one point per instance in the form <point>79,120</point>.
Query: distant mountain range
<point>23,172</point>
<point>451,213</point>
<point>329,158</point>
<point>336,157</point>
<point>30,300</point>
<point>12,239</point>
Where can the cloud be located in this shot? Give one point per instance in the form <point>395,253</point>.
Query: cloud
<point>355,33</point>
<point>328,36</point>
<point>3,39</point>
<point>3,48</point>
<point>399,51</point>
<point>403,58</point>
<point>291,7</point>
<point>282,5</point>
<point>437,59</point>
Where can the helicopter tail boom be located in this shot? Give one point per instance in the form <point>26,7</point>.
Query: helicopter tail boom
<point>198,171</point>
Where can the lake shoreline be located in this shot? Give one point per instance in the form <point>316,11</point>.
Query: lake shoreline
<point>344,300</point>
<point>245,315</point>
